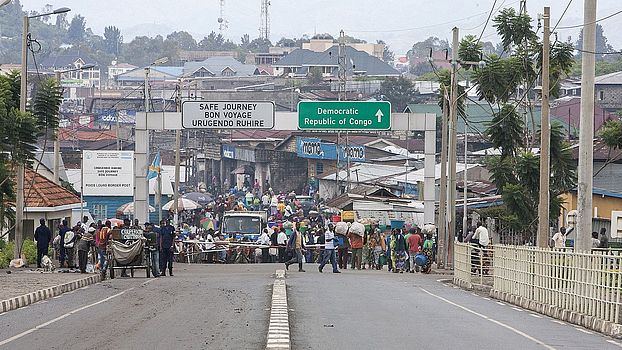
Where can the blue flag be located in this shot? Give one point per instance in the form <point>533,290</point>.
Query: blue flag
<point>154,168</point>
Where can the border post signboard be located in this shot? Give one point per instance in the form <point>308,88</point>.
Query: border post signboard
<point>227,115</point>
<point>108,173</point>
<point>344,115</point>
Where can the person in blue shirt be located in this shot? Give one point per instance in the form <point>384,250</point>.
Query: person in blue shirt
<point>166,241</point>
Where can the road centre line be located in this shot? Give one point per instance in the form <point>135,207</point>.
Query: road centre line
<point>523,334</point>
<point>54,320</point>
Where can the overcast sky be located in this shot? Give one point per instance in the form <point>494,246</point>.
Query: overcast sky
<point>399,22</point>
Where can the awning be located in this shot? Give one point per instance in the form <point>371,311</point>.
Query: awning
<point>244,169</point>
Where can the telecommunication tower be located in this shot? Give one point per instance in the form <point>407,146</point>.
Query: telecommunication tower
<point>223,24</point>
<point>264,27</point>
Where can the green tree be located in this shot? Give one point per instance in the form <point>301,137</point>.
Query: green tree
<point>259,45</point>
<point>387,54</point>
<point>77,30</point>
<point>399,91</point>
<point>315,76</point>
<point>421,49</point>
<point>516,171</point>
<point>182,40</point>
<point>602,43</point>
<point>113,40</point>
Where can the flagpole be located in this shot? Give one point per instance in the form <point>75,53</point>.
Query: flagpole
<point>159,197</point>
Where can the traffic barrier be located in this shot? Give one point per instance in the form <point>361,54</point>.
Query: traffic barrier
<point>473,265</point>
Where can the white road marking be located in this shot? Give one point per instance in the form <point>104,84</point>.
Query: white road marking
<point>278,328</point>
<point>517,309</point>
<point>614,343</point>
<point>534,315</point>
<point>485,298</point>
<point>500,303</point>
<point>25,333</point>
<point>583,330</point>
<point>523,334</point>
<point>559,322</point>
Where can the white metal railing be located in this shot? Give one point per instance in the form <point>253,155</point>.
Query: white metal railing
<point>586,283</point>
<point>473,264</point>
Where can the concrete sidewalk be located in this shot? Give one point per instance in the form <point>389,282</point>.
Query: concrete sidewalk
<point>22,287</point>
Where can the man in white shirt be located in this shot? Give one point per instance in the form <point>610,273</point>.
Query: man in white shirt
<point>264,240</point>
<point>482,235</point>
<point>559,238</point>
<point>281,240</point>
<point>329,249</point>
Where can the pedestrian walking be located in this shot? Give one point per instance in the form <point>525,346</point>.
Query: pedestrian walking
<point>329,250</point>
<point>296,244</point>
<point>398,251</point>
<point>428,246</point>
<point>282,243</point>
<point>342,251</point>
<point>43,236</point>
<point>62,231</point>
<point>167,239</point>
<point>152,234</point>
<point>414,242</point>
<point>102,239</point>
<point>356,243</point>
<point>595,240</point>
<point>83,246</point>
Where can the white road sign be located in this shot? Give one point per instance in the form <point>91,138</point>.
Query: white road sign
<point>108,173</point>
<point>227,115</point>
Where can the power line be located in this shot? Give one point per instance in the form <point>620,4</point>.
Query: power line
<point>424,27</point>
<point>492,10</point>
<point>562,16</point>
<point>600,53</point>
<point>596,21</point>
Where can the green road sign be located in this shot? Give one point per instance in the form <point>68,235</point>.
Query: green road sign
<point>344,115</point>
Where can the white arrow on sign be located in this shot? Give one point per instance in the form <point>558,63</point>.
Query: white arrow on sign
<point>379,114</point>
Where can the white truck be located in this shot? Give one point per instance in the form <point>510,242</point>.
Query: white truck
<point>241,224</point>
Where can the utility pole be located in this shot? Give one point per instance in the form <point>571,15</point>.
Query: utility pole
<point>177,159</point>
<point>586,132</point>
<point>453,144</point>
<point>442,203</point>
<point>545,140</point>
<point>343,80</point>
<point>23,96</point>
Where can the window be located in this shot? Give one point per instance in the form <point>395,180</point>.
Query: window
<point>319,168</point>
<point>601,95</point>
<point>100,211</point>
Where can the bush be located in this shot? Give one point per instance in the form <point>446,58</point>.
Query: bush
<point>6,254</point>
<point>29,251</point>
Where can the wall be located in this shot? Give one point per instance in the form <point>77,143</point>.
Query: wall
<point>288,172</point>
<point>603,205</point>
<point>612,96</point>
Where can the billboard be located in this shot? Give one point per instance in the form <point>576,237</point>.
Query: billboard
<point>316,149</point>
<point>108,173</point>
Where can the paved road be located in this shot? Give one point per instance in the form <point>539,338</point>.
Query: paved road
<point>227,307</point>
<point>381,310</point>
<point>201,307</point>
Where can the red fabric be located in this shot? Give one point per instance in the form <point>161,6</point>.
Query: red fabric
<point>414,242</point>
<point>356,241</point>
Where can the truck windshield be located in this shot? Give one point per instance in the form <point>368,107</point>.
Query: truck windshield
<point>242,224</point>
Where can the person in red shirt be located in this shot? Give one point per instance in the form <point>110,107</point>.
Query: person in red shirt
<point>414,246</point>
<point>356,243</point>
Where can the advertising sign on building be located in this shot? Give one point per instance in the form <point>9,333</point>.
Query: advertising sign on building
<point>316,149</point>
<point>108,173</point>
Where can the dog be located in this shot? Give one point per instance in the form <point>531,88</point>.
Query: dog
<point>47,264</point>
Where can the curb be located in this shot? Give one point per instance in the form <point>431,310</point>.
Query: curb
<point>278,329</point>
<point>47,293</point>
<point>611,329</point>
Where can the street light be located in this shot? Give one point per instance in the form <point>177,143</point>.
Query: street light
<point>56,169</point>
<point>19,200</point>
